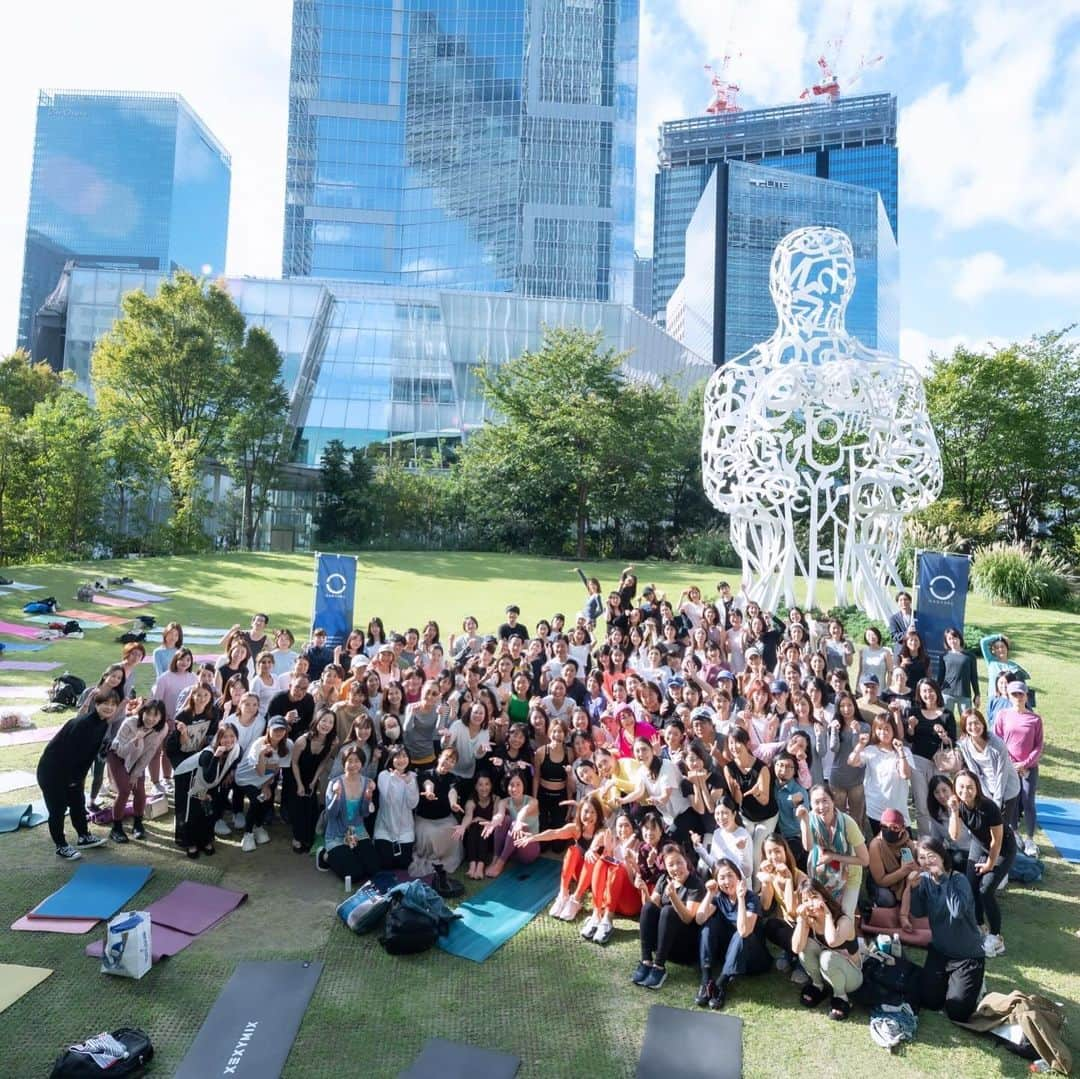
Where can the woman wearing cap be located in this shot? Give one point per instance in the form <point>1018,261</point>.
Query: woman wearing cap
<point>993,851</point>
<point>952,974</point>
<point>836,851</point>
<point>892,857</point>
<point>750,784</point>
<point>887,774</point>
<point>385,665</point>
<point>988,757</point>
<point>874,657</point>
<point>1021,730</point>
<point>255,776</point>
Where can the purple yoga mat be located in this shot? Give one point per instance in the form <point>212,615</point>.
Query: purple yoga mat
<point>139,597</point>
<point>193,908</point>
<point>13,629</point>
<point>163,942</point>
<point>28,738</point>
<point>23,665</point>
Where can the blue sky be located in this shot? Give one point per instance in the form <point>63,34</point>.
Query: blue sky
<point>989,136</point>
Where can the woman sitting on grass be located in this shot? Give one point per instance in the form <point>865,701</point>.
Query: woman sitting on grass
<point>349,851</point>
<point>779,877</point>
<point>518,815</point>
<point>613,888</point>
<point>828,949</point>
<point>477,828</point>
<point>436,818</point>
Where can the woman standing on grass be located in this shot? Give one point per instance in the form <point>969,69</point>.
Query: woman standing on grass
<point>988,757</point>
<point>172,640</point>
<point>995,648</point>
<point>874,657</point>
<point>312,756</point>
<point>211,780</point>
<point>1021,730</point>
<point>959,673</point>
<point>138,741</point>
<point>195,726</point>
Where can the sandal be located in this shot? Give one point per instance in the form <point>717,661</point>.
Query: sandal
<point>839,1009</point>
<point>812,996</point>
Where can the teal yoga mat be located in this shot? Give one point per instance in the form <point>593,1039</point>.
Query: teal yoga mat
<point>94,891</point>
<point>501,909</point>
<point>1060,820</point>
<point>12,818</point>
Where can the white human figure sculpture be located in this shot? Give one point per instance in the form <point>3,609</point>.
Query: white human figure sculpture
<point>815,445</point>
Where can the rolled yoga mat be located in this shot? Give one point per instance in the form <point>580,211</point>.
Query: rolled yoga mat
<point>12,818</point>
<point>501,909</point>
<point>94,891</point>
<point>440,1059</point>
<point>252,1025</point>
<point>684,1044</point>
<point>1060,820</point>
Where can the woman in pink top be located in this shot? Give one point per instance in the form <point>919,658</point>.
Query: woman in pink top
<point>630,727</point>
<point>1021,730</point>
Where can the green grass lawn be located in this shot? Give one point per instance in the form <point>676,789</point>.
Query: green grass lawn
<point>565,1007</point>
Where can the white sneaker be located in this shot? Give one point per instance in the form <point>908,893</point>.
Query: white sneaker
<point>571,909</point>
<point>592,923</point>
<point>221,828</point>
<point>560,902</point>
<point>247,844</point>
<point>261,835</point>
<point>160,791</point>
<point>239,821</point>
<point>1030,849</point>
<point>603,934</point>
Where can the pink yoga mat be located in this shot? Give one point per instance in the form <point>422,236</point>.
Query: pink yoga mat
<point>27,693</point>
<point>207,657</point>
<point>112,601</point>
<point>139,597</point>
<point>94,616</point>
<point>193,908</point>
<point>163,942</point>
<point>12,629</point>
<point>28,738</point>
<point>27,924</point>
<point>22,665</point>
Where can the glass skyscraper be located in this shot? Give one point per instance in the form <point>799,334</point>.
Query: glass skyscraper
<point>469,144</point>
<point>130,180</point>
<point>852,140</point>
<point>723,307</point>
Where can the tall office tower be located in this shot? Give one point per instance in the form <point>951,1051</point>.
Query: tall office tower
<point>474,144</point>
<point>852,139</point>
<point>127,180</point>
<point>642,284</point>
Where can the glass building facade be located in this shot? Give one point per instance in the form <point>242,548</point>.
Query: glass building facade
<point>472,144</point>
<point>131,180</point>
<point>366,363</point>
<point>723,307</point>
<point>852,140</point>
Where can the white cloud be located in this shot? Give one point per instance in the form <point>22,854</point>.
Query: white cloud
<point>917,348</point>
<point>1001,147</point>
<point>987,272</point>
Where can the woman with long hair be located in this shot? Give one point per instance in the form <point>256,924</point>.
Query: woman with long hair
<point>349,850</point>
<point>517,815</point>
<point>194,728</point>
<point>312,755</point>
<point>779,878</point>
<point>750,783</point>
<point>659,785</point>
<point>613,888</point>
<point>836,853</point>
<point>828,949</point>
<point>988,757</point>
<point>172,640</point>
<point>477,829</point>
<point>887,763</point>
<point>930,728</point>
<point>1021,730</point>
<point>138,741</point>
<point>256,774</point>
<point>211,779</point>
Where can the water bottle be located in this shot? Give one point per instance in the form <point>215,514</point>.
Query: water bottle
<point>348,885</point>
<point>897,947</point>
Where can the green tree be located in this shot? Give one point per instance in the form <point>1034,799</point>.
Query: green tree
<point>333,492</point>
<point>171,371</point>
<point>23,383</point>
<point>255,437</point>
<point>358,521</point>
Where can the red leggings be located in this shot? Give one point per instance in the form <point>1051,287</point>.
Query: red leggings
<point>614,891</point>
<point>125,786</point>
<point>574,867</point>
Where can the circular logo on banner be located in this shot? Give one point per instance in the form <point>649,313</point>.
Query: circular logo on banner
<point>942,588</point>
<point>336,584</point>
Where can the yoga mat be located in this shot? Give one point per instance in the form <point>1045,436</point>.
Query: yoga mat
<point>23,587</point>
<point>27,665</point>
<point>93,616</point>
<point>74,926</point>
<point>139,597</point>
<point>28,738</point>
<point>207,657</point>
<point>442,1059</point>
<point>1060,820</point>
<point>13,629</point>
<point>259,1011</point>
<point>684,1044</point>
<point>16,781</point>
<point>163,943</point>
<point>42,619</point>
<point>501,909</point>
<point>146,586</point>
<point>12,818</point>
<point>94,891</point>
<point>16,981</point>
<point>193,908</point>
<point>18,646</point>
<point>112,601</point>
<point>27,693</point>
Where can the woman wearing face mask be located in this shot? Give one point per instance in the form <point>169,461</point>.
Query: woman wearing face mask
<point>892,856</point>
<point>993,851</point>
<point>952,974</point>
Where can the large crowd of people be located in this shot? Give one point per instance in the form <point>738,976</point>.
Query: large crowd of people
<point>728,778</point>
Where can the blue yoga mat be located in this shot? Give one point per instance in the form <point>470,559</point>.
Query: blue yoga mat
<point>94,891</point>
<point>1060,820</point>
<point>12,818</point>
<point>17,647</point>
<point>498,911</point>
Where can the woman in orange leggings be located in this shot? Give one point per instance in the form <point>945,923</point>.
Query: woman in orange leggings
<point>586,833</point>
<point>613,880</point>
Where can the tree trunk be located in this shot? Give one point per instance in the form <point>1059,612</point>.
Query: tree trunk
<point>582,518</point>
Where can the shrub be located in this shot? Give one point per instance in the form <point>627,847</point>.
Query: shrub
<point>1010,574</point>
<point>708,548</point>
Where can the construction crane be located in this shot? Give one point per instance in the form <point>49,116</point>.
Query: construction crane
<point>830,85</point>
<point>725,93</point>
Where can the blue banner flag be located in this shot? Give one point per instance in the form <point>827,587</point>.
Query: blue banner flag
<point>940,596</point>
<point>335,588</point>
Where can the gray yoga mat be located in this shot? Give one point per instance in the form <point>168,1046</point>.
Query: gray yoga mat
<point>253,1023</point>
<point>683,1044</point>
<point>441,1059</point>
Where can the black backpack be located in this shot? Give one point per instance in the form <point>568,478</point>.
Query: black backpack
<point>407,931</point>
<point>75,1065</point>
<point>66,690</point>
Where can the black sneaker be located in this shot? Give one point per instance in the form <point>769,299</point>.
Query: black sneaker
<point>643,971</point>
<point>88,840</point>
<point>705,993</point>
<point>69,854</point>
<point>657,977</point>
<point>117,834</point>
<point>137,829</point>
<point>719,997</point>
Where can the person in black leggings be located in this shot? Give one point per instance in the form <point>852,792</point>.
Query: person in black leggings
<point>62,770</point>
<point>952,975</point>
<point>993,851</point>
<point>667,928</point>
<point>312,756</point>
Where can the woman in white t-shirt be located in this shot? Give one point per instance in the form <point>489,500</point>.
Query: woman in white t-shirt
<point>874,658</point>
<point>691,605</point>
<point>729,840</point>
<point>659,784</point>
<point>888,765</point>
